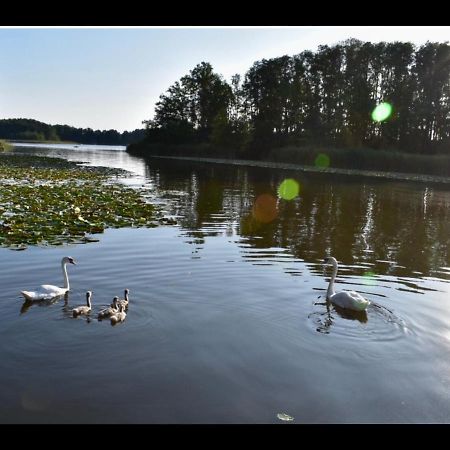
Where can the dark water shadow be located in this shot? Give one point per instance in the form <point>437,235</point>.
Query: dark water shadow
<point>327,320</point>
<point>349,314</point>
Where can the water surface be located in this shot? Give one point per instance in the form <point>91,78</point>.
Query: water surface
<point>227,320</point>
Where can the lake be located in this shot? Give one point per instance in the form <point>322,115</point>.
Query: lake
<point>227,320</point>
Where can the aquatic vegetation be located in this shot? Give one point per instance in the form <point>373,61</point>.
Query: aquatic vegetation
<point>51,201</point>
<point>4,146</point>
<point>51,169</point>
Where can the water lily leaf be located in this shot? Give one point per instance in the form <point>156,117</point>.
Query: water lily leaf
<point>43,212</point>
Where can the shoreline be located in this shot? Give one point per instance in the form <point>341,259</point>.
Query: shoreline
<point>26,141</point>
<point>392,176</point>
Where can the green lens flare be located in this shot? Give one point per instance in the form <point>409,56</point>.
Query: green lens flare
<point>322,160</point>
<point>369,278</point>
<point>288,189</point>
<point>382,112</point>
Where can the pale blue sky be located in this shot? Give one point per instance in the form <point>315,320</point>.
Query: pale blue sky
<point>106,78</point>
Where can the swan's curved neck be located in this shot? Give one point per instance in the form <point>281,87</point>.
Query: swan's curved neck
<point>66,277</point>
<point>331,290</point>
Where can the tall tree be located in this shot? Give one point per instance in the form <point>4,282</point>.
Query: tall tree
<point>192,105</point>
<point>324,97</point>
<point>431,106</point>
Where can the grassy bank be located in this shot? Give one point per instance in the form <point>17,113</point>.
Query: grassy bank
<point>51,201</point>
<point>363,159</point>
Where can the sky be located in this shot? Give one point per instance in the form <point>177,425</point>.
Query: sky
<point>111,77</point>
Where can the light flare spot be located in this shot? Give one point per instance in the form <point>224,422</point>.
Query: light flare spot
<point>265,209</point>
<point>322,160</point>
<point>288,189</point>
<point>369,278</point>
<point>382,112</point>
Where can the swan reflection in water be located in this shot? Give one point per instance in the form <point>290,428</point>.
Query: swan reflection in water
<point>325,319</point>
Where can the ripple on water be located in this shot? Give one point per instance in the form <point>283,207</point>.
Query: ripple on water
<point>61,347</point>
<point>376,324</point>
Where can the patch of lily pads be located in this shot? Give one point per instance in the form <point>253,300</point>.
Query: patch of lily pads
<point>51,201</point>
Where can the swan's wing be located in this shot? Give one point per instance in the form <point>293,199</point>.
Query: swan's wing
<point>341,299</point>
<point>106,312</point>
<point>44,292</point>
<point>32,295</point>
<point>359,298</point>
<point>349,299</point>
<point>51,289</point>
<point>81,310</point>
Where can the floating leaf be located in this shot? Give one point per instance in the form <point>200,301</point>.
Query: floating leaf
<point>285,417</point>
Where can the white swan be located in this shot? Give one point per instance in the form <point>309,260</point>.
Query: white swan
<point>345,299</point>
<point>123,301</point>
<point>119,316</point>
<point>83,309</point>
<point>49,291</point>
<point>111,310</point>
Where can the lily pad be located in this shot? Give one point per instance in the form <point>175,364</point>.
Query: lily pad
<point>50,201</point>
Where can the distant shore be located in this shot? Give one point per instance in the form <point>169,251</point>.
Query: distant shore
<point>301,168</point>
<point>31,141</point>
<point>363,161</point>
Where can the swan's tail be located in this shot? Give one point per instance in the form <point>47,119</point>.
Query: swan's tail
<point>363,305</point>
<point>27,294</point>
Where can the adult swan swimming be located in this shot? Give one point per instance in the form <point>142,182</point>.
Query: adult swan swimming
<point>48,291</point>
<point>345,299</point>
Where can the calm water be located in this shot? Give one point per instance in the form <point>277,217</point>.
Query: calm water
<point>227,321</point>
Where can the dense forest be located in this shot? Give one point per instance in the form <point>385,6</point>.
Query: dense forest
<point>29,129</point>
<point>321,99</point>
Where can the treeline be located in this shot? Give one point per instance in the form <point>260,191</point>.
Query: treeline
<point>29,129</point>
<point>314,98</point>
